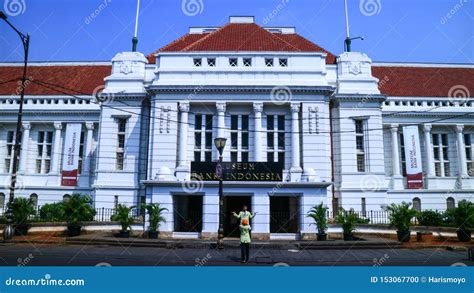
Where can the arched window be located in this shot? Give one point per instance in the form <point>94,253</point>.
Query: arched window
<point>34,199</point>
<point>66,197</point>
<point>417,204</point>
<point>450,203</point>
<point>2,201</point>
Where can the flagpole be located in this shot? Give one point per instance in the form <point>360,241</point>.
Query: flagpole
<point>135,39</point>
<point>348,38</point>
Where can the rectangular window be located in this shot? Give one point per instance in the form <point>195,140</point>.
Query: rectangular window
<point>469,161</point>
<point>247,62</point>
<point>211,62</point>
<point>197,62</point>
<point>269,62</point>
<point>402,154</point>
<point>81,153</point>
<point>203,137</point>
<point>239,134</point>
<point>10,151</point>
<point>233,62</point>
<point>363,207</point>
<point>441,154</point>
<point>283,62</point>
<point>43,154</point>
<point>122,125</point>
<point>276,138</point>
<point>360,145</point>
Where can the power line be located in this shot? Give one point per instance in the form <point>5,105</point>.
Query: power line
<point>228,114</point>
<point>265,131</point>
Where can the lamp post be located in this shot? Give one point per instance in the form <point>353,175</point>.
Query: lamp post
<point>220,145</point>
<point>25,39</point>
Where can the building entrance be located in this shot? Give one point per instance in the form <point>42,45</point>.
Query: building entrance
<point>234,204</point>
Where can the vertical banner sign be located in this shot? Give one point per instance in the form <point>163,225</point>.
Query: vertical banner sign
<point>71,154</point>
<point>414,170</point>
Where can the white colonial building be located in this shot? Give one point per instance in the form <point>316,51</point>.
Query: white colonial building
<point>302,126</point>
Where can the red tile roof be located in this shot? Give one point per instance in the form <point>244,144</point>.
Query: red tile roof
<point>84,79</point>
<point>250,37</point>
<point>405,81</point>
<point>177,45</point>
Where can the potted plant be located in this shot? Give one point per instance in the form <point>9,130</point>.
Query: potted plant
<point>319,214</point>
<point>400,216</point>
<point>463,217</point>
<point>155,212</point>
<point>77,209</point>
<point>22,209</point>
<point>348,221</point>
<point>122,215</point>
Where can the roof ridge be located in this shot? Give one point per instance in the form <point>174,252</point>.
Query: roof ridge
<point>186,49</point>
<point>169,45</point>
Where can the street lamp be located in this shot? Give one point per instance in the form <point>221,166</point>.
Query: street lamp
<point>25,39</point>
<point>220,145</point>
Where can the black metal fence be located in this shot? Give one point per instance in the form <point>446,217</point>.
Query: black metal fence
<point>374,217</point>
<point>283,220</point>
<point>101,215</point>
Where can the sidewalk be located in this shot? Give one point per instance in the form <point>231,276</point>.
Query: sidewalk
<point>103,238</point>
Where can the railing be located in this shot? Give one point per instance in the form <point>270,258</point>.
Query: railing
<point>102,215</point>
<point>193,220</point>
<point>374,217</point>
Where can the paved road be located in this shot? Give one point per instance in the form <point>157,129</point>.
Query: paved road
<point>63,255</point>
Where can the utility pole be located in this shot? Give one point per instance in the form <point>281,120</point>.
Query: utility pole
<point>25,39</point>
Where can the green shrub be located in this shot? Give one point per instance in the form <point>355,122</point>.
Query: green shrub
<point>400,215</point>
<point>319,214</point>
<point>430,218</point>
<point>361,220</point>
<point>78,209</point>
<point>462,215</point>
<point>52,212</point>
<point>122,215</point>
<point>22,209</point>
<point>155,212</point>
<point>347,219</point>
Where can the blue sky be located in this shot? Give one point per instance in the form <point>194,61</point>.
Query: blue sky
<point>394,30</point>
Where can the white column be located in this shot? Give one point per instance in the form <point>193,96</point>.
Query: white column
<point>428,150</point>
<point>182,171</point>
<point>183,134</point>
<point>295,170</point>
<point>25,137</point>
<point>462,165</point>
<point>221,107</point>
<point>395,150</point>
<point>86,168</point>
<point>210,215</point>
<point>295,137</point>
<point>58,126</point>
<point>261,222</point>
<point>257,142</point>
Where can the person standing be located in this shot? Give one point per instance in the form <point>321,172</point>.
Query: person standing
<point>245,240</point>
<point>244,214</point>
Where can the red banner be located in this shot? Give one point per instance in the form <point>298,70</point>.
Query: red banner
<point>72,142</point>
